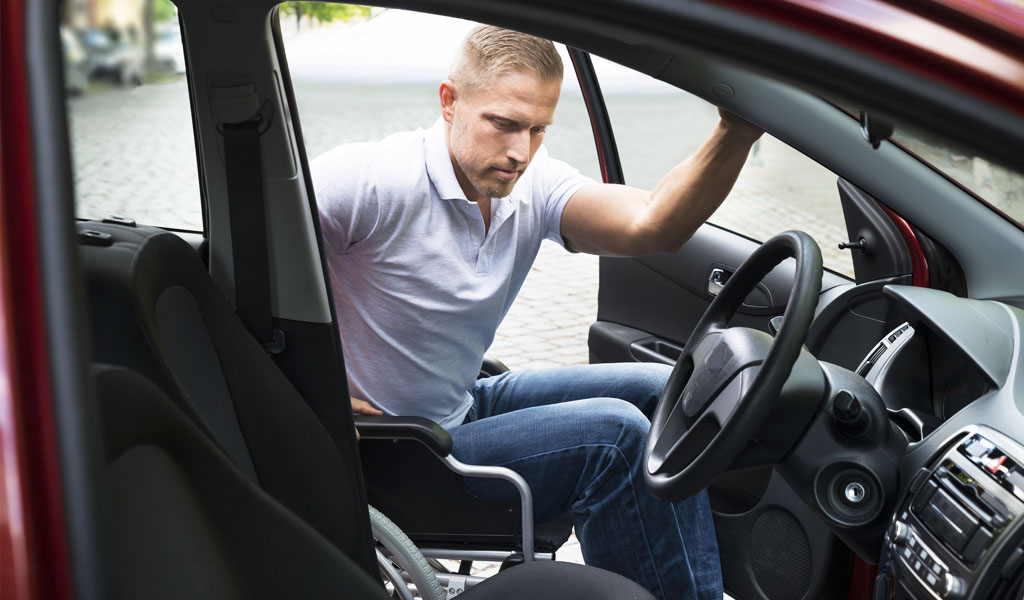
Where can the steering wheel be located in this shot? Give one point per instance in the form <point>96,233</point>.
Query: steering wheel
<point>727,379</point>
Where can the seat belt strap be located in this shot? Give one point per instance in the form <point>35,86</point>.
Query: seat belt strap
<point>249,231</point>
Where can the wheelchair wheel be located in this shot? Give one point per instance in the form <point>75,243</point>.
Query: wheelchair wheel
<point>401,562</point>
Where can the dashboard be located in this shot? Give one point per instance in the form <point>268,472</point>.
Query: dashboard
<point>948,378</point>
<point>924,378</point>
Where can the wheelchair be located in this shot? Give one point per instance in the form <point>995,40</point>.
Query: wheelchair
<point>409,457</point>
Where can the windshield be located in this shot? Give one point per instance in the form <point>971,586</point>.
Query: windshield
<point>1000,187</point>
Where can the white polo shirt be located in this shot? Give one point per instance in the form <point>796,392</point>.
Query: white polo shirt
<point>418,287</point>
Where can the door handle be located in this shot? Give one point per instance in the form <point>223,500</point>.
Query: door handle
<point>717,280</point>
<point>655,350</point>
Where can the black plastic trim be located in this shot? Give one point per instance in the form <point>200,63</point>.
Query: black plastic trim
<point>944,271</point>
<point>778,501</point>
<point>333,389</point>
<point>76,422</point>
<point>425,431</point>
<point>885,254</point>
<point>204,206</point>
<point>844,316</point>
<point>600,122</point>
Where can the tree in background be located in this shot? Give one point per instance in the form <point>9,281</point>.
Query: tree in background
<point>154,11</point>
<point>157,12</point>
<point>163,10</point>
<point>323,12</point>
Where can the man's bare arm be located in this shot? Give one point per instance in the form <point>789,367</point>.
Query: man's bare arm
<point>362,407</point>
<point>618,220</point>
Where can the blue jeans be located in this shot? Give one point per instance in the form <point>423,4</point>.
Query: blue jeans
<point>577,435</point>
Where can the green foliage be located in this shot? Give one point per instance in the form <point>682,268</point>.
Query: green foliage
<point>163,10</point>
<point>325,12</point>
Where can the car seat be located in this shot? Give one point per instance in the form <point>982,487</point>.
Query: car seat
<point>155,309</point>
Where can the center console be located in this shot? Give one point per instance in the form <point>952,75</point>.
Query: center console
<point>957,533</point>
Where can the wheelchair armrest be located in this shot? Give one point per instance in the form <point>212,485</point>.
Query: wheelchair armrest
<point>423,430</point>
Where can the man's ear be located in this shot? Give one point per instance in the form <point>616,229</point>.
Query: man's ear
<point>447,96</point>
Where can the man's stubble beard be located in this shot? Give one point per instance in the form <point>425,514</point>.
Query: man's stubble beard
<point>488,188</point>
<point>494,189</point>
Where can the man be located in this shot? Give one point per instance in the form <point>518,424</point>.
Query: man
<point>430,235</point>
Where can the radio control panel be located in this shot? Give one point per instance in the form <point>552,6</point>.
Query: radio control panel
<point>917,558</point>
<point>951,535</point>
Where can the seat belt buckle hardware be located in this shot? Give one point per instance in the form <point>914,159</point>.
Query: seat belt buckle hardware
<point>264,116</point>
<point>119,220</point>
<point>91,237</point>
<point>275,345</point>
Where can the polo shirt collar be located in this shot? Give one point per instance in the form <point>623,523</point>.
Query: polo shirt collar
<point>439,164</point>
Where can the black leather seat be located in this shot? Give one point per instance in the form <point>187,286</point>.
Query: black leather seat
<point>155,309</point>
<point>185,522</point>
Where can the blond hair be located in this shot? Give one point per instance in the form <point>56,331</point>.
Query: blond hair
<point>488,52</point>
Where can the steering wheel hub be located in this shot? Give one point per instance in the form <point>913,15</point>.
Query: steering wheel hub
<point>728,380</point>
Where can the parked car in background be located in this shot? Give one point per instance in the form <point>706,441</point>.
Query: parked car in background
<point>114,55</point>
<point>168,53</point>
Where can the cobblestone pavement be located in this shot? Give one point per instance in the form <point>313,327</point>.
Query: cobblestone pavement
<point>134,155</point>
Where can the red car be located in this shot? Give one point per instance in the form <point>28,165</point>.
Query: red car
<point>873,442</point>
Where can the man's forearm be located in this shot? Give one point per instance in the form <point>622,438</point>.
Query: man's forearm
<point>695,188</point>
<point>618,220</point>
